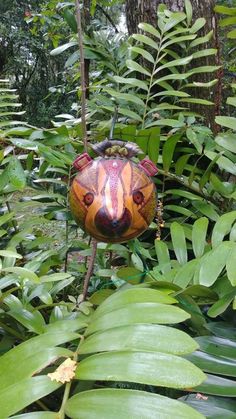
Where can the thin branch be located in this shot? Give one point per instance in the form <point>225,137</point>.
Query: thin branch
<point>108,17</point>
<point>90,269</point>
<point>82,77</point>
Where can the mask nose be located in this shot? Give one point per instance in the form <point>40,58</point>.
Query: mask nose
<point>109,227</point>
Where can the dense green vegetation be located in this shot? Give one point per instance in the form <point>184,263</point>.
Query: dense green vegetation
<point>155,337</point>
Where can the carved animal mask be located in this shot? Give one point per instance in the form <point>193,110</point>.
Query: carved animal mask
<point>113,199</point>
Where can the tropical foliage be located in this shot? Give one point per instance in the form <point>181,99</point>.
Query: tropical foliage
<point>159,319</point>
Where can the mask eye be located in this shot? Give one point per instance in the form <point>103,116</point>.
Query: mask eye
<point>88,198</point>
<point>138,197</point>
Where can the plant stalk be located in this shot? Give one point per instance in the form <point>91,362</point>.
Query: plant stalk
<point>82,77</point>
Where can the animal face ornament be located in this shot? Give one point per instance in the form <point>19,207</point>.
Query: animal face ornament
<point>112,198</point>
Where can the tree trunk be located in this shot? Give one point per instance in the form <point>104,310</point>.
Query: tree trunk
<point>146,10</point>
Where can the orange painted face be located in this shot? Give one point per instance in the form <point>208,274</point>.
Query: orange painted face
<point>113,199</point>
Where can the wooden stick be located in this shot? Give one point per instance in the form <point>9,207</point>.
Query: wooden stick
<point>82,77</point>
<point>90,269</point>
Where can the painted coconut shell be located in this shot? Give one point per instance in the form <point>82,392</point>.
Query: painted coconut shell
<point>113,199</point>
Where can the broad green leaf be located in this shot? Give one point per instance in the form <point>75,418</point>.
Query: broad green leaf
<point>146,40</point>
<point>228,21</point>
<point>231,266</point>
<point>171,77</point>
<point>132,65</point>
<point>218,386</point>
<point>149,28</point>
<point>203,69</point>
<point>221,305</point>
<point>10,254</point>
<point>163,256</point>
<point>231,101</point>
<point>6,217</point>
<point>193,138</point>
<point>143,337</point>
<point>222,329</point>
<point>16,174</point>
<point>199,232</point>
<point>55,277</point>
<point>227,141</point>
<point>189,11</point>
<point>178,40</point>
<point>212,265</point>
<point>174,63</point>
<point>132,82</point>
<point>37,415</point>
<point>173,20</point>
<point>211,407</point>
<point>185,274</point>
<point>198,101</point>
<point>125,96</point>
<point>202,39</point>
<point>145,54</point>
<point>133,295</point>
<point>33,321</point>
<point>225,10</point>
<point>205,53</point>
<point>22,273</point>
<point>113,403</point>
<point>226,121</point>
<point>17,371</point>
<point>25,392</point>
<point>206,209</point>
<point>63,48</point>
<point>231,34</point>
<point>130,114</point>
<point>154,144</point>
<point>137,313</point>
<point>217,346</point>
<point>179,242</point>
<point>167,122</point>
<point>140,367</point>
<point>213,364</point>
<point>222,227</point>
<point>168,150</point>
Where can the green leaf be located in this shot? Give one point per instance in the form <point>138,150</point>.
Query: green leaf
<point>22,273</point>
<point>218,386</point>
<point>231,266</point>
<point>179,242</point>
<point>122,404</point>
<point>145,54</point>
<point>143,337</point>
<point>125,96</point>
<point>189,11</point>
<point>227,141</point>
<point>201,40</point>
<point>221,305</point>
<point>63,48</point>
<point>137,313</point>
<point>231,101</point>
<point>133,295</point>
<point>146,40</point>
<point>37,415</point>
<point>132,82</point>
<point>192,137</point>
<point>199,232</point>
<point>10,254</point>
<point>198,101</point>
<point>130,114</point>
<point>206,209</point>
<point>33,321</point>
<point>231,34</point>
<point>17,396</point>
<point>132,65</point>
<point>149,28</point>
<point>226,121</point>
<point>222,227</point>
<point>16,174</point>
<point>213,263</point>
<point>215,345</point>
<point>168,150</point>
<point>174,63</point>
<point>213,364</point>
<point>185,274</point>
<point>225,10</point>
<point>205,53</point>
<point>163,256</point>
<point>138,367</point>
<point>211,407</point>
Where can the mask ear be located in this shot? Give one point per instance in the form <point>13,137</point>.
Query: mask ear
<point>82,161</point>
<point>148,166</point>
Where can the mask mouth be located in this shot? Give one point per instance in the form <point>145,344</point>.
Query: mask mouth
<point>110,227</point>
